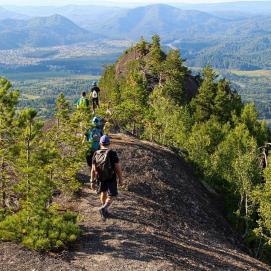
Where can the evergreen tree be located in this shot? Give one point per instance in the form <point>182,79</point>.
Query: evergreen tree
<point>173,75</point>
<point>203,103</point>
<point>131,110</point>
<point>8,133</point>
<point>155,57</point>
<point>39,171</point>
<point>226,102</point>
<point>110,86</point>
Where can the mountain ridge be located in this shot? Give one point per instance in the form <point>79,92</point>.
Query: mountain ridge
<point>41,32</point>
<point>165,20</point>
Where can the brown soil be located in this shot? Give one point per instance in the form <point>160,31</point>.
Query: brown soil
<point>164,219</point>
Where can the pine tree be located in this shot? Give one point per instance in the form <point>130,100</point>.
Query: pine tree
<point>8,102</point>
<point>155,57</point>
<point>40,169</point>
<point>131,109</point>
<point>203,103</point>
<point>173,75</point>
<point>226,102</point>
<point>62,109</point>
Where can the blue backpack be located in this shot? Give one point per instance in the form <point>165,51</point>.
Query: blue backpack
<point>94,137</point>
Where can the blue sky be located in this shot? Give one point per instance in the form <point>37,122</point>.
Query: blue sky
<point>101,2</point>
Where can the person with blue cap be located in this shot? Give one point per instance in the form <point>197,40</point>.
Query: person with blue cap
<point>92,137</point>
<point>105,171</point>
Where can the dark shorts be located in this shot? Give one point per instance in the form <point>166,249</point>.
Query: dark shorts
<point>95,102</point>
<point>110,187</point>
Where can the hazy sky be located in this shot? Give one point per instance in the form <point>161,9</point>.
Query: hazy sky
<point>101,2</point>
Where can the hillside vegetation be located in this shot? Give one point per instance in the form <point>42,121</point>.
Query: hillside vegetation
<point>219,133</point>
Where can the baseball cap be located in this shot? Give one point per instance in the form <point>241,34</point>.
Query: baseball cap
<point>105,140</point>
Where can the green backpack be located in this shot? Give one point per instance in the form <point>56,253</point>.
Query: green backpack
<point>83,103</point>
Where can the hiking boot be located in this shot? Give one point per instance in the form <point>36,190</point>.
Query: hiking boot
<point>103,213</point>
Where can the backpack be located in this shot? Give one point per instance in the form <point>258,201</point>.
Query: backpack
<point>83,103</point>
<point>94,94</point>
<point>94,137</point>
<point>104,168</point>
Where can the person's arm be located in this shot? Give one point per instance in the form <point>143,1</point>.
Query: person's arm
<point>85,137</point>
<point>93,177</point>
<point>119,173</point>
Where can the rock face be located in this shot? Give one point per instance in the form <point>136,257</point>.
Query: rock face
<point>163,219</point>
<point>191,83</point>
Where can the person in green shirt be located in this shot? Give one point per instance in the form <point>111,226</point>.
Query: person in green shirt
<point>83,101</point>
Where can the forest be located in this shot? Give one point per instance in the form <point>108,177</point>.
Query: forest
<point>151,100</point>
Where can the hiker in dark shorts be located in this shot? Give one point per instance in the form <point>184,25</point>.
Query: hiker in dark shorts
<point>105,171</point>
<point>94,93</point>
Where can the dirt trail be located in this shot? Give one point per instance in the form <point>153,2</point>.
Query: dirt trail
<point>164,220</point>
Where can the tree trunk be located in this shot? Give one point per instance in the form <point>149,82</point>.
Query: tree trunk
<point>3,186</point>
<point>246,217</point>
<point>259,248</point>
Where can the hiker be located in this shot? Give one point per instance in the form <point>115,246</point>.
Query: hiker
<point>93,137</point>
<point>83,102</point>
<point>94,92</point>
<point>105,170</point>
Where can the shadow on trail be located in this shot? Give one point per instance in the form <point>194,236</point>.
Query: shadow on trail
<point>135,244</point>
<point>82,178</point>
<point>165,215</point>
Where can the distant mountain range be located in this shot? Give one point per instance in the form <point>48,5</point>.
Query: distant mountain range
<point>7,14</point>
<point>236,35</point>
<point>41,32</point>
<point>169,22</point>
<point>227,8</point>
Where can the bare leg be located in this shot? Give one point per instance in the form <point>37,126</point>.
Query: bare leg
<point>103,198</point>
<point>108,202</point>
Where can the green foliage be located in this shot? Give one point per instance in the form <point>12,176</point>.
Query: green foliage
<point>258,129</point>
<point>202,142</point>
<point>219,133</point>
<point>166,123</point>
<point>262,197</point>
<point>8,134</point>
<point>173,73</point>
<point>41,229</point>
<point>110,85</point>
<point>156,56</point>
<point>129,84</point>
<point>215,99</point>
<point>47,159</point>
